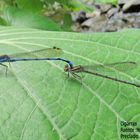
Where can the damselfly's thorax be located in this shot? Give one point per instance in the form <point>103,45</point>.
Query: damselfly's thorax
<point>73,69</point>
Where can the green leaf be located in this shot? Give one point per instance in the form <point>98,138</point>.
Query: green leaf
<point>30,5</point>
<point>108,1</point>
<point>38,101</point>
<point>67,22</point>
<point>16,17</point>
<point>2,22</point>
<point>77,5</point>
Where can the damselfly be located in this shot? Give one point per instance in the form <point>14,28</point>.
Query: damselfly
<point>43,54</point>
<point>119,66</point>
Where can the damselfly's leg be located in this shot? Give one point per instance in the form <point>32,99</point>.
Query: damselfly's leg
<point>68,73</point>
<point>9,64</point>
<point>76,75</point>
<point>81,73</point>
<point>5,67</point>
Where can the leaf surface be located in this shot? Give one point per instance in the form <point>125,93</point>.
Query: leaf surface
<point>19,18</point>
<point>30,5</point>
<point>38,101</point>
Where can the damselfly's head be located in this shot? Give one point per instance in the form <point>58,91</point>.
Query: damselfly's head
<point>66,68</point>
<point>55,52</point>
<point>55,48</point>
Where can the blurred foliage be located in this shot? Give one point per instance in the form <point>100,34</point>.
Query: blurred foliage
<point>16,17</point>
<point>37,13</point>
<point>114,2</point>
<point>30,5</point>
<point>74,5</point>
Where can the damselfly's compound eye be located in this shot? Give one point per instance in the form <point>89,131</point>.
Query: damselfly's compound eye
<point>54,47</point>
